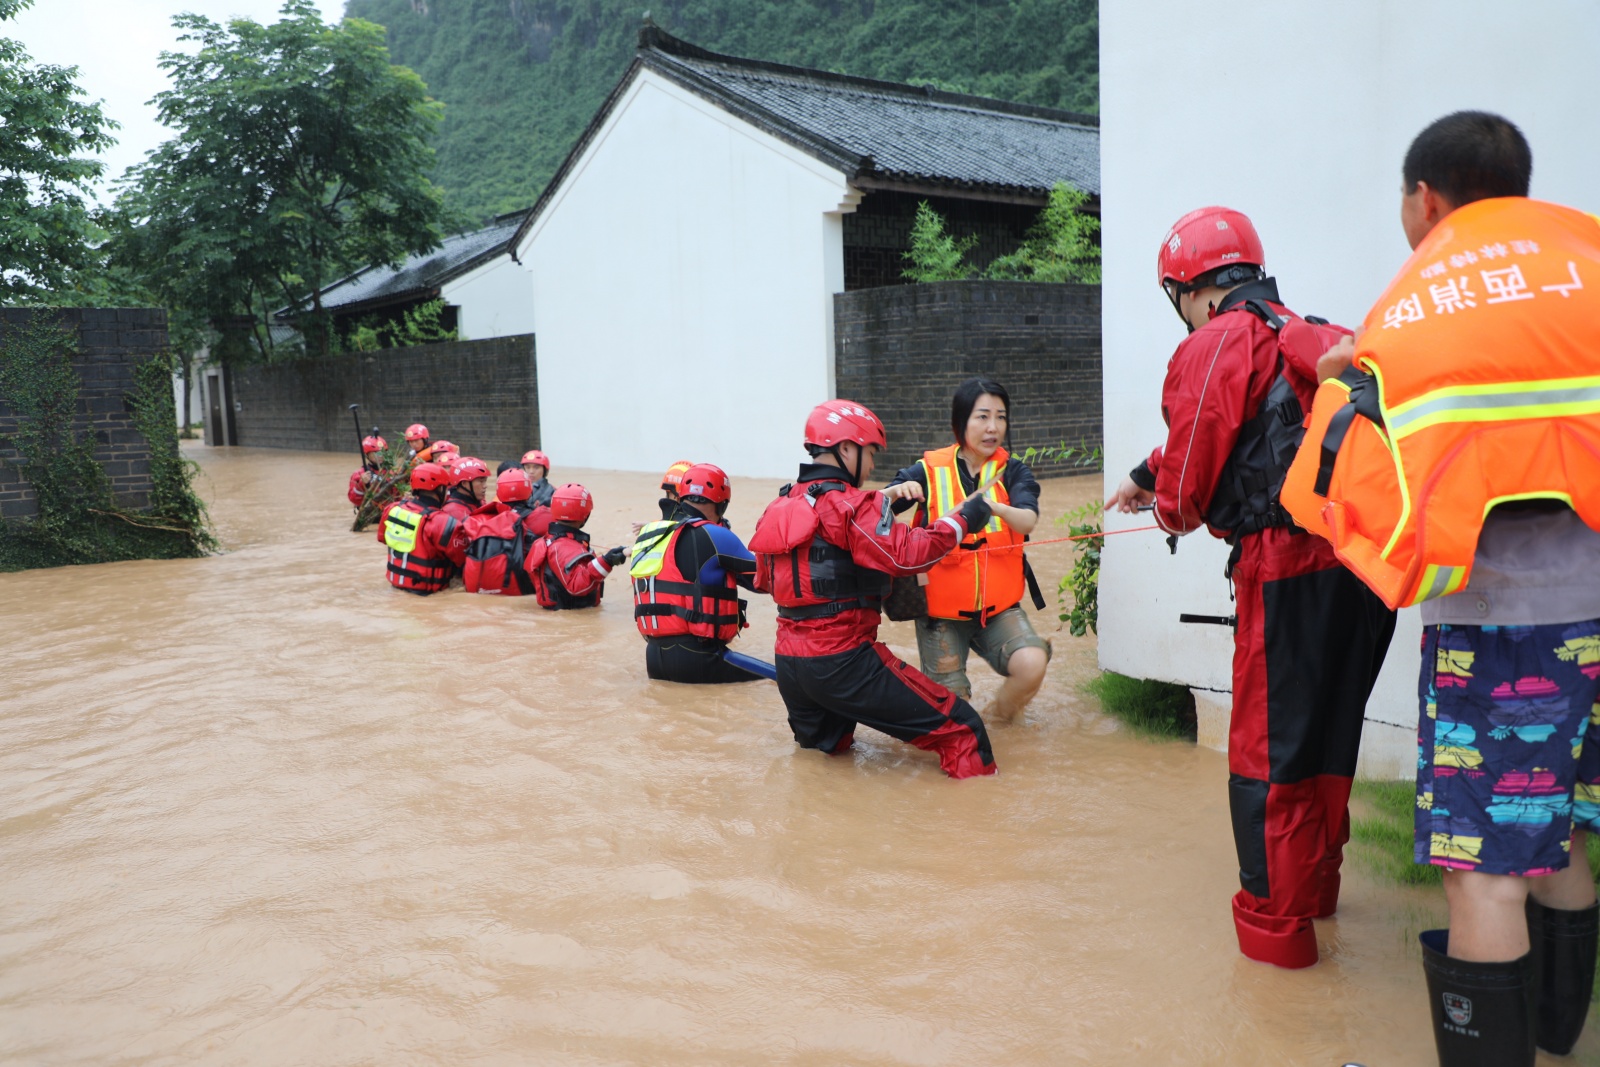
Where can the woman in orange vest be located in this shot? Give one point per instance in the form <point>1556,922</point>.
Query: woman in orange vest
<point>975,593</point>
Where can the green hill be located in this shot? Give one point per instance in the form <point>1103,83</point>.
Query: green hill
<point>521,78</point>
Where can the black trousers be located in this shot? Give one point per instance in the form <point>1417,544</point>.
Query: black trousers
<point>827,696</point>
<point>693,660</point>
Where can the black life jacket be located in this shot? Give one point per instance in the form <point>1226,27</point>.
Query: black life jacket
<point>1245,500</point>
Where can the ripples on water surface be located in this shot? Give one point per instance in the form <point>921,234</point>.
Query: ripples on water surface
<point>261,809</point>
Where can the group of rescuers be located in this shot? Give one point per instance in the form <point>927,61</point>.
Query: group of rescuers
<point>827,551</point>
<point>1450,458</point>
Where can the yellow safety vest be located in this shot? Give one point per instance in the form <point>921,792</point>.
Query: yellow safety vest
<point>400,529</point>
<point>647,563</point>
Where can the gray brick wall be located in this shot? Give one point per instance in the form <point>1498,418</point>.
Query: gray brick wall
<point>902,350</point>
<point>112,342</point>
<point>482,395</point>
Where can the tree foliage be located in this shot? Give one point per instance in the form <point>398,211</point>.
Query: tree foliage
<point>1059,247</point>
<point>299,154</point>
<point>522,78</point>
<point>48,136</point>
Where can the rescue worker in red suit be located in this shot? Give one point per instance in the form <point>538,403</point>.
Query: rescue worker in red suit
<point>685,599</point>
<point>827,550</point>
<point>417,441</point>
<point>469,480</point>
<point>566,572</point>
<point>498,537</point>
<point>370,471</point>
<point>426,544</point>
<point>1309,636</point>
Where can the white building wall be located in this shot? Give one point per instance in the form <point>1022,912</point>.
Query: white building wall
<point>682,289</point>
<point>1298,115</point>
<point>495,300</point>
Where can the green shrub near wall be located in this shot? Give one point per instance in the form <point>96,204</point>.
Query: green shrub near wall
<point>78,519</point>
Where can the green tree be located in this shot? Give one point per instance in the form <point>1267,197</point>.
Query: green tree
<point>299,154</point>
<point>935,255</point>
<point>48,134</point>
<point>1059,247</point>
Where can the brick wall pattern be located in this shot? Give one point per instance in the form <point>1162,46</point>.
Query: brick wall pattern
<point>481,395</point>
<point>878,233</point>
<point>902,350</point>
<point>112,342</point>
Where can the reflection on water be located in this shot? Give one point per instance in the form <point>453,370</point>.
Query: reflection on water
<point>261,809</point>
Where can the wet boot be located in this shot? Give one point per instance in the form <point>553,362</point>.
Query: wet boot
<point>1483,1013</point>
<point>1564,954</point>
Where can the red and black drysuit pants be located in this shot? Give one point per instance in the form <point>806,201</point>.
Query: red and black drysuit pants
<point>828,696</point>
<point>1309,643</point>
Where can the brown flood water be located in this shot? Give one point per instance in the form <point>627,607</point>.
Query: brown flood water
<point>262,809</point>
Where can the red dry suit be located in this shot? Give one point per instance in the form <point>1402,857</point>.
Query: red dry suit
<point>424,546</point>
<point>459,507</point>
<point>566,574</point>
<point>1309,639</point>
<point>827,551</point>
<point>497,547</point>
<point>358,487</point>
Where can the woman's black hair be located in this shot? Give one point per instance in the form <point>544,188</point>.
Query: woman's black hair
<point>966,398</point>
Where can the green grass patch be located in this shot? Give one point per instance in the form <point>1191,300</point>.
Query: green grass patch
<point>1384,837</point>
<point>1155,709</point>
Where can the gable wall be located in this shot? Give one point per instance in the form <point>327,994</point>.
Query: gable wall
<point>682,283</point>
<point>495,300</point>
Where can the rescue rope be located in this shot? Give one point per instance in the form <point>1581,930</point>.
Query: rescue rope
<point>1074,537</point>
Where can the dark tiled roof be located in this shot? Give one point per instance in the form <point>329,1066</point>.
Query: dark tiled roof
<point>876,132</point>
<point>376,286</point>
<point>891,131</point>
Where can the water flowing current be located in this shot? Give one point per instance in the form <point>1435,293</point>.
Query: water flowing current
<point>262,809</point>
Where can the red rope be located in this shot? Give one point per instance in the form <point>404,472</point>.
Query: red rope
<point>1074,537</point>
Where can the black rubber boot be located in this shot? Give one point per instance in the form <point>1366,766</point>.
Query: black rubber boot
<point>1564,954</point>
<point>1483,1013</point>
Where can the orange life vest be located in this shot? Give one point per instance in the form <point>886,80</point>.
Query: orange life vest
<point>968,584</point>
<point>1476,382</point>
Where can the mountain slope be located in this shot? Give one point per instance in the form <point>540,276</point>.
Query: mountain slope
<point>521,78</point>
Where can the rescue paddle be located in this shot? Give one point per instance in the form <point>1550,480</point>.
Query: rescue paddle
<point>751,664</point>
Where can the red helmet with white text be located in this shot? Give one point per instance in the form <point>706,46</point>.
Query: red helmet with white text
<point>674,476</point>
<point>416,432</point>
<point>467,469</point>
<point>373,444</point>
<point>834,421</point>
<point>1205,240</point>
<point>428,476</point>
<point>442,447</point>
<point>571,504</point>
<point>707,482</point>
<point>536,456</point>
<point>512,485</point>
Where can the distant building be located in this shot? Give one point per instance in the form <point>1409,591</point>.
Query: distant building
<point>485,293</point>
<point>685,256</point>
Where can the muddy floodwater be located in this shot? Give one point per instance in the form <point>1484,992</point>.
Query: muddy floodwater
<point>262,809</point>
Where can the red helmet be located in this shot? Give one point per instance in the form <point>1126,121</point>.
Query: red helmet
<point>1204,240</point>
<point>468,468</point>
<point>373,444</point>
<point>674,475</point>
<point>538,457</point>
<point>441,447</point>
<point>705,481</point>
<point>429,476</point>
<point>833,421</point>
<point>512,485</point>
<point>571,504</point>
<point>416,432</point>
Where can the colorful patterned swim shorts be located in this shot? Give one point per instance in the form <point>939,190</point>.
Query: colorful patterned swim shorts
<point>1508,745</point>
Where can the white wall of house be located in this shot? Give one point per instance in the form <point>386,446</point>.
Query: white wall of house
<point>682,289</point>
<point>495,300</point>
<point>1298,115</point>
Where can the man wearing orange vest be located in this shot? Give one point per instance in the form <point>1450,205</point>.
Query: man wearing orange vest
<point>1457,466</point>
<point>1309,638</point>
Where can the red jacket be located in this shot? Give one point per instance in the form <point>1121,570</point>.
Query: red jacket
<point>1216,380</point>
<point>358,487</point>
<point>564,557</point>
<point>454,548</point>
<point>458,508</point>
<point>861,523</point>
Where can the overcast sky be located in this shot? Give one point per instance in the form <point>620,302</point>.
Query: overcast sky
<point>116,44</point>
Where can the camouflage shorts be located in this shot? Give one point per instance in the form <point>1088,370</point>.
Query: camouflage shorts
<point>943,645</point>
<point>1508,745</point>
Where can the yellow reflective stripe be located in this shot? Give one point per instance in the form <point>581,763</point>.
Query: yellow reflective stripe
<point>983,476</point>
<point>944,498</point>
<point>1439,580</point>
<point>1565,498</point>
<point>1394,454</point>
<point>1500,402</point>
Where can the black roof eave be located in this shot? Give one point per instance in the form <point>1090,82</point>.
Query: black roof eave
<point>932,185</point>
